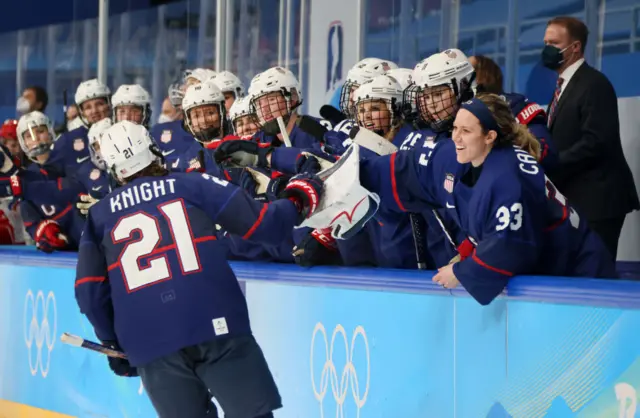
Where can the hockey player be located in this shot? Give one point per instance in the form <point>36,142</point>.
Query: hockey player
<point>276,93</point>
<point>364,70</point>
<point>231,87</point>
<point>9,138</point>
<point>93,174</point>
<point>153,280</point>
<point>71,148</point>
<point>206,119</point>
<point>48,215</point>
<point>131,102</point>
<point>242,119</point>
<point>489,181</point>
<point>12,231</point>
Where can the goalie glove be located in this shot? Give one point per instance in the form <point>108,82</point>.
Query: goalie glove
<point>243,153</point>
<point>120,366</point>
<point>313,163</point>
<point>8,164</point>
<point>317,248</point>
<point>85,203</point>
<point>49,237</point>
<point>263,185</point>
<point>305,191</point>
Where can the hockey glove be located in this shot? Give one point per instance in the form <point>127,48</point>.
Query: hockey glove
<point>243,153</point>
<point>305,191</point>
<point>317,248</point>
<point>120,366</point>
<point>263,185</point>
<point>10,186</point>
<point>49,237</point>
<point>85,203</point>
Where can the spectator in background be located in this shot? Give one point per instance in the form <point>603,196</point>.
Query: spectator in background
<point>583,119</point>
<point>488,74</point>
<point>33,98</point>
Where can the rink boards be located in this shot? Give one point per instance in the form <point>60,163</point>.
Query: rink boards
<point>352,343</point>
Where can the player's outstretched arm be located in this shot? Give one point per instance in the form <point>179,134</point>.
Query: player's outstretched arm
<point>406,181</point>
<point>92,288</point>
<point>239,214</point>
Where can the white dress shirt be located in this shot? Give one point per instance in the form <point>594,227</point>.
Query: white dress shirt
<point>568,73</point>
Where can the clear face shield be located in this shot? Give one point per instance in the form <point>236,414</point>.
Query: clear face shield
<point>206,122</point>
<point>36,140</point>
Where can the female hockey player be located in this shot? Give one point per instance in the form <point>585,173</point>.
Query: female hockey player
<point>153,279</point>
<point>48,214</point>
<point>242,118</point>
<point>230,85</point>
<point>489,181</point>
<point>131,102</point>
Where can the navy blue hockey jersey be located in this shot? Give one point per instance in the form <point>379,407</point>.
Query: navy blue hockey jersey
<point>172,139</point>
<point>46,196</point>
<point>96,182</point>
<point>513,214</point>
<point>70,151</point>
<point>151,273</point>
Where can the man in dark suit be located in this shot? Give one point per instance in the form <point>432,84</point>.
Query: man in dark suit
<point>583,119</point>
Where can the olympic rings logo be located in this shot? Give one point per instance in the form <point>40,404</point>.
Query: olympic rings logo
<point>39,326</point>
<point>329,375</point>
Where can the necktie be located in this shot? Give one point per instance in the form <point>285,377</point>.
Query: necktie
<point>554,103</point>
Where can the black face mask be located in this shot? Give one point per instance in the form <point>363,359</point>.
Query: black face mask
<point>552,57</point>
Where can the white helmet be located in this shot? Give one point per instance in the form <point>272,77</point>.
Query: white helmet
<point>88,90</point>
<point>403,75</point>
<point>229,82</point>
<point>241,107</point>
<point>449,68</point>
<point>29,122</point>
<point>127,149</point>
<point>94,135</point>
<point>359,74</point>
<point>132,95</point>
<point>91,89</point>
<point>385,88</point>
<point>200,74</point>
<point>405,78</point>
<point>275,79</point>
<point>207,93</point>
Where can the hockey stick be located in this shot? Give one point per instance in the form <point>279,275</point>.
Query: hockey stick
<point>283,131</point>
<point>417,226</point>
<point>65,103</point>
<point>76,341</point>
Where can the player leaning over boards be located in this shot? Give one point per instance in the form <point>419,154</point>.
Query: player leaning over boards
<point>152,279</point>
<point>488,179</point>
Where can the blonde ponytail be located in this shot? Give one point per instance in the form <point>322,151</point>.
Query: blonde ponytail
<point>526,141</point>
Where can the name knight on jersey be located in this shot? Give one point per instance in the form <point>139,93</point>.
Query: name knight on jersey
<point>144,192</point>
